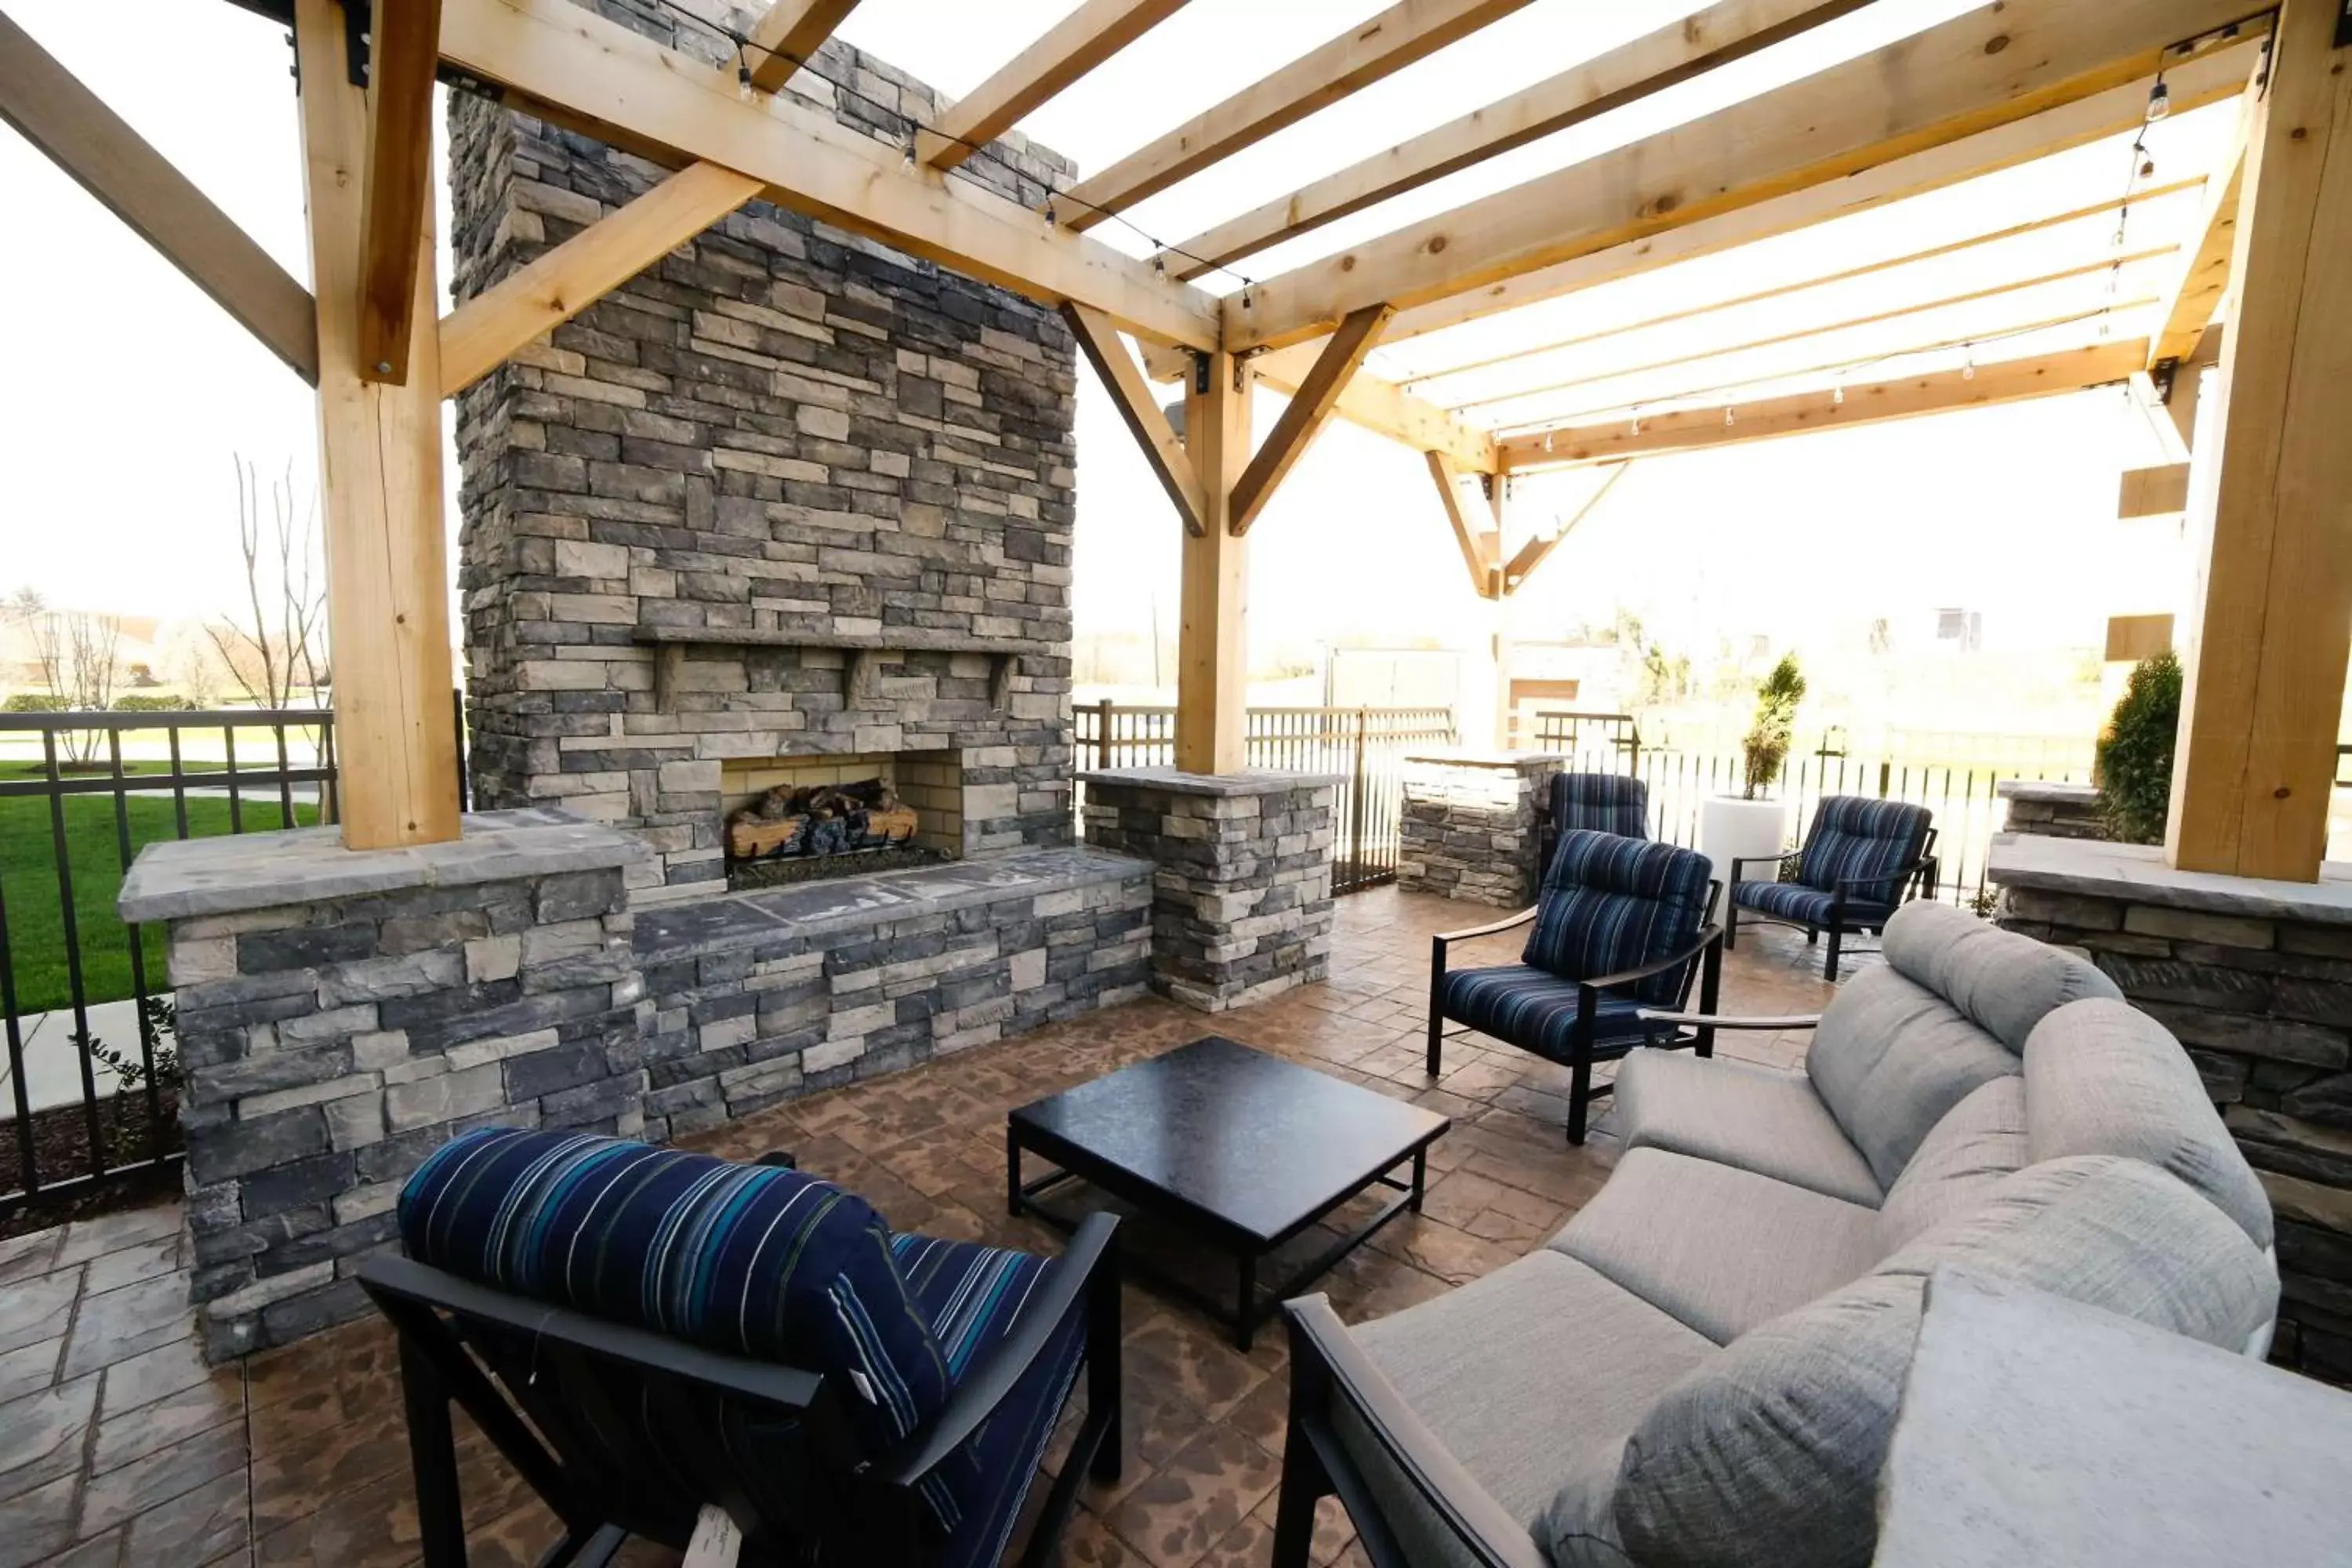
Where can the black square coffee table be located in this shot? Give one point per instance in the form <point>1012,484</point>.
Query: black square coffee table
<point>1231,1147</point>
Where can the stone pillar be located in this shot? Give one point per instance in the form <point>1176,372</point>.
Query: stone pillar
<point>2052,810</point>
<point>2255,979</point>
<point>342,1014</point>
<point>1473,826</point>
<point>1242,893</point>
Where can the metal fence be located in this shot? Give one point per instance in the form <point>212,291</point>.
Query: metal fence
<point>1967,809</point>
<point>1365,747</point>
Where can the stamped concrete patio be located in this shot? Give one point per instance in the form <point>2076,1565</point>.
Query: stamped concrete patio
<point>118,1447</point>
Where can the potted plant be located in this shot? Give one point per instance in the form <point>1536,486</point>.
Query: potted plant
<point>1751,825</point>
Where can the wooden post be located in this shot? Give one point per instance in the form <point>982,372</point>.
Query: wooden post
<point>2266,651</point>
<point>1212,646</point>
<point>380,482</point>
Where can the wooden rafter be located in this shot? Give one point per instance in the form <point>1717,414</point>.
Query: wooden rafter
<point>1075,45</point>
<point>1875,318</point>
<point>89,142</point>
<point>1311,408</point>
<point>1100,341</point>
<point>1724,32</point>
<point>1991,66</point>
<point>1482,548</point>
<point>1321,77</point>
<point>1538,550</point>
<point>2205,272</point>
<point>789,36</point>
<point>577,70</point>
<point>2138,198</point>
<point>405,51</point>
<point>2006,381</point>
<point>478,336</point>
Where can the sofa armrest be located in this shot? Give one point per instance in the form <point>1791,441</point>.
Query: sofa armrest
<point>1329,1368</point>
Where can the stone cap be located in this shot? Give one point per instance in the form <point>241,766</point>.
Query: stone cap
<point>1470,758</point>
<point>2137,873</point>
<point>2049,790</point>
<point>178,879</point>
<point>1250,781</point>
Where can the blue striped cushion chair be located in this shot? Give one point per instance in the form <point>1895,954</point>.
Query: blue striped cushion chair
<point>1854,836</point>
<point>1601,803</point>
<point>756,1261</point>
<point>1611,903</point>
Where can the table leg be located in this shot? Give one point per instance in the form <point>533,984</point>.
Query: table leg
<point>1245,1320</point>
<point>1012,1173</point>
<point>1420,1177</point>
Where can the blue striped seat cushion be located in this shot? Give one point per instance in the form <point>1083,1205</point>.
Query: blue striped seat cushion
<point>769,1264</point>
<point>973,1297</point>
<point>1537,1012</point>
<point>1854,836</point>
<point>1785,901</point>
<point>1601,803</point>
<point>1611,903</point>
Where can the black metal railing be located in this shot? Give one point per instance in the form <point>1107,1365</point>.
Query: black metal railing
<point>1364,748</point>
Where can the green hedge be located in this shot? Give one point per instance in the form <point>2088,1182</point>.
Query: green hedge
<point>31,702</point>
<point>148,702</point>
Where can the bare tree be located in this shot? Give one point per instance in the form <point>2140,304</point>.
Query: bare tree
<point>79,655</point>
<point>284,647</point>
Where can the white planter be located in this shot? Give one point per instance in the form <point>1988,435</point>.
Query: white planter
<point>1731,828</point>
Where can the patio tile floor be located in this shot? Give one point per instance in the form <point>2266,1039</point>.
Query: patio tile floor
<point>118,1447</point>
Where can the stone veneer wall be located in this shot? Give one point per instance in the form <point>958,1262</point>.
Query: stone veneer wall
<point>2265,1006</point>
<point>780,426</point>
<point>766,997</point>
<point>2053,810</point>
<point>1473,828</point>
<point>1241,904</point>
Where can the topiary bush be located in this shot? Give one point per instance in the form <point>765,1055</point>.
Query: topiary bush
<point>2135,755</point>
<point>1765,745</point>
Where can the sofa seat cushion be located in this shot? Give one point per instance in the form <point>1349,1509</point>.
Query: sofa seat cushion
<point>1890,1060</point>
<point>1768,1453</point>
<point>1756,1118</point>
<point>2103,1078</point>
<point>1719,1248</point>
<point>973,1296</point>
<point>1970,1149</point>
<point>1537,1012</point>
<point>1519,1372</point>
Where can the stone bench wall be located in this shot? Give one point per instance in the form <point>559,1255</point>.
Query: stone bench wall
<point>2052,811</point>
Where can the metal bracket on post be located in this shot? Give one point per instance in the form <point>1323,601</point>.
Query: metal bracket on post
<point>1200,374</point>
<point>2167,371</point>
<point>359,29</point>
<point>2344,26</point>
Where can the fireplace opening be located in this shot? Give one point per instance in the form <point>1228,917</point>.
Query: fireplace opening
<point>797,819</point>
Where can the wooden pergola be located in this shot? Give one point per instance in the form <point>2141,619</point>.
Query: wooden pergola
<point>2269,485</point>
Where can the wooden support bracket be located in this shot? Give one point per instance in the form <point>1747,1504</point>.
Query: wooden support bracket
<point>1098,340</point>
<point>405,52</point>
<point>1311,407</point>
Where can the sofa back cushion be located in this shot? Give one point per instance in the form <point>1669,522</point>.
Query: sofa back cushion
<point>749,1259</point>
<point>1863,845</point>
<point>2004,982</point>
<point>2103,1078</point>
<point>1611,903</point>
<point>1770,1453</point>
<point>1890,1060</point>
<point>1981,1140</point>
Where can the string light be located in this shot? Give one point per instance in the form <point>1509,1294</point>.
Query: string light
<point>1637,419</point>
<point>743,73</point>
<point>1727,420</point>
<point>2159,102</point>
<point>1968,361</point>
<point>1049,215</point>
<point>1837,397</point>
<point>1546,440</point>
<point>910,152</point>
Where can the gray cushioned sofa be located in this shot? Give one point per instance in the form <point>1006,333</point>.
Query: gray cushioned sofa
<point>1703,1368</point>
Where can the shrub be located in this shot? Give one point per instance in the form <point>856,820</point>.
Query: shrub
<point>1767,745</point>
<point>2135,757</point>
<point>147,703</point>
<point>32,703</point>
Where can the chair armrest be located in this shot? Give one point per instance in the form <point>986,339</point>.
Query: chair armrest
<point>1506,923</point>
<point>1707,938</point>
<point>1781,860</point>
<point>1325,1353</point>
<point>1727,1021</point>
<point>987,1385</point>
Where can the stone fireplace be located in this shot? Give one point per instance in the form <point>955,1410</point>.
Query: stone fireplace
<point>778,848</point>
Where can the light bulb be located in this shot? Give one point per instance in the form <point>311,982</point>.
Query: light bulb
<point>1727,420</point>
<point>1837,396</point>
<point>910,152</point>
<point>1546,440</point>
<point>2159,102</point>
<point>1049,216</point>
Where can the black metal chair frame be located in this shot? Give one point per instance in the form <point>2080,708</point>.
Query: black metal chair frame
<point>1326,1368</point>
<point>566,1399</point>
<point>1708,971</point>
<point>1918,875</point>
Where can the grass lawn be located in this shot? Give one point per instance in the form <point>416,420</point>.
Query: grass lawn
<point>28,880</point>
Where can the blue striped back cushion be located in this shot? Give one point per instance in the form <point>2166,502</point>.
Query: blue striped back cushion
<point>769,1264</point>
<point>1604,803</point>
<point>1613,903</point>
<point>1856,837</point>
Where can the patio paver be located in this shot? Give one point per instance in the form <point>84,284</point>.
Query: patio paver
<point>118,1447</point>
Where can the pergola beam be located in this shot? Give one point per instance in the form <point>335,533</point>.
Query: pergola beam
<point>599,79</point>
<point>1994,66</point>
<point>478,335</point>
<point>789,35</point>
<point>1075,45</point>
<point>1309,409</point>
<point>1384,408</point>
<point>1374,48</point>
<point>1938,392</point>
<point>2205,273</point>
<point>1722,33</point>
<point>403,53</point>
<point>107,158</point>
<point>1100,341</point>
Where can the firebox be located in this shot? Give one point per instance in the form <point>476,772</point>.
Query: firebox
<point>793,819</point>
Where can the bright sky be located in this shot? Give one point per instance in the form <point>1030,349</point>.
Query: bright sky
<point>125,393</point>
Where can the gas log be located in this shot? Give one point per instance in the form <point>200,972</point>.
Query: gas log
<point>819,820</point>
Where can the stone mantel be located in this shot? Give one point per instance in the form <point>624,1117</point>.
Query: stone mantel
<point>865,650</point>
<point>2138,872</point>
